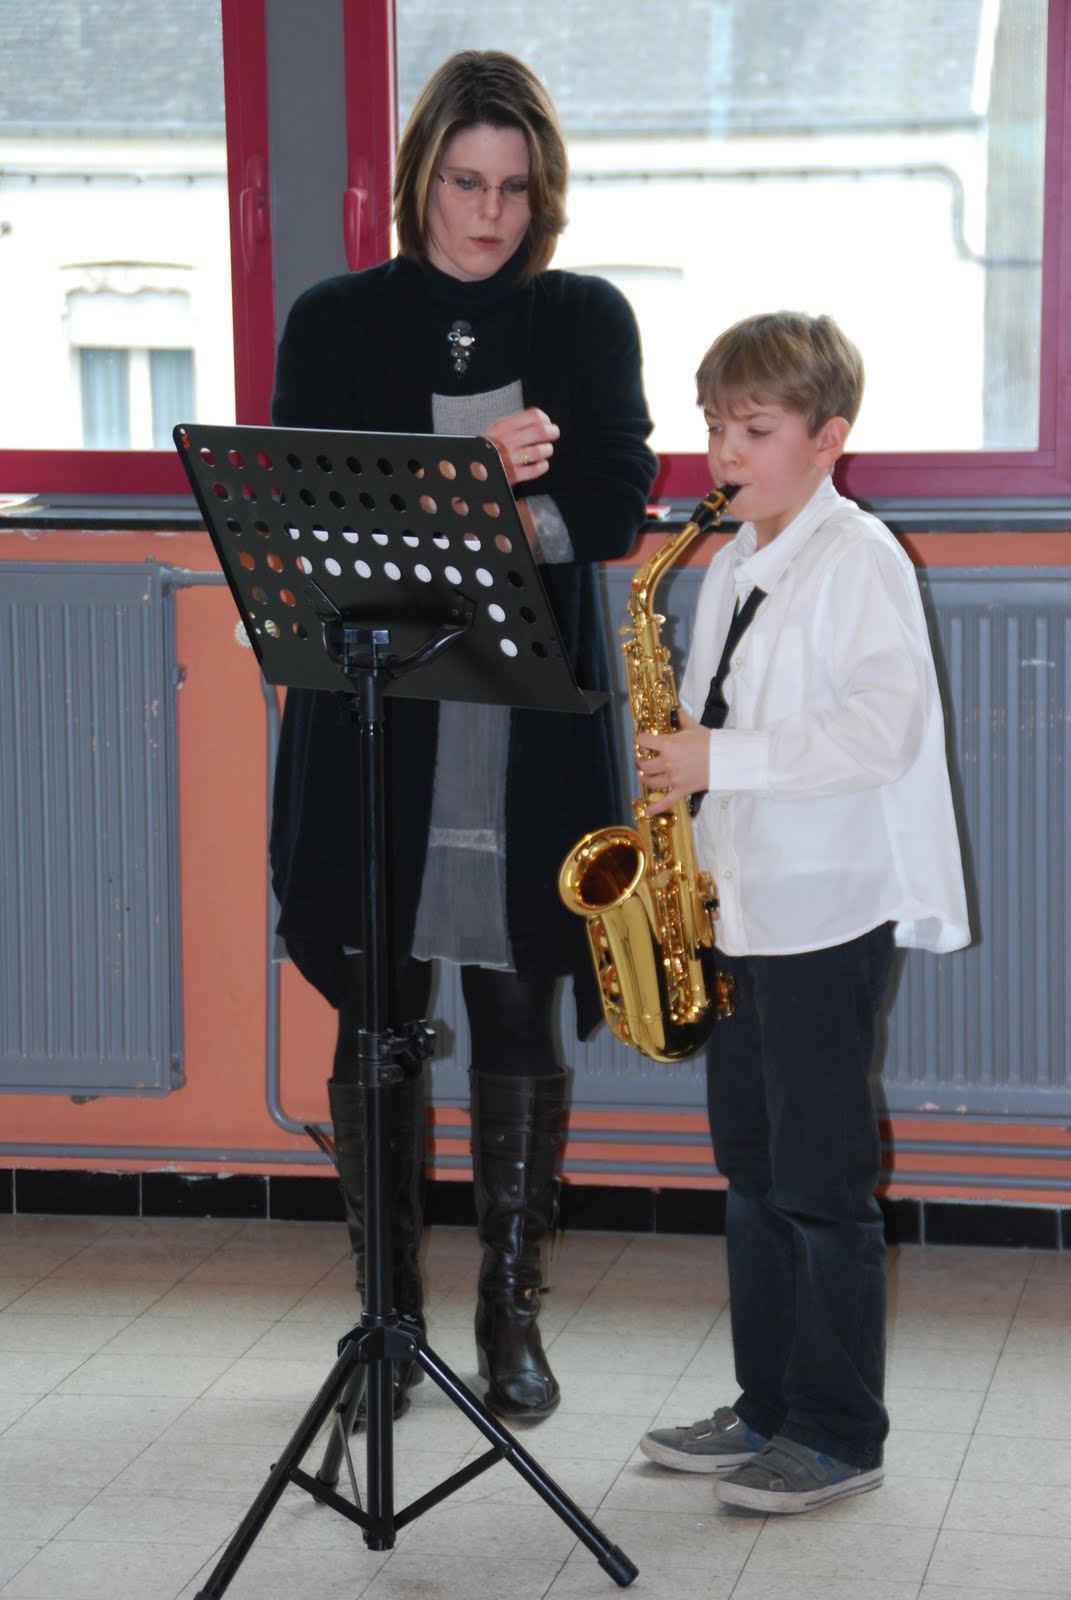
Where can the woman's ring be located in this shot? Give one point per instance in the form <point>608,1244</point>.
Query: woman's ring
<point>524,458</point>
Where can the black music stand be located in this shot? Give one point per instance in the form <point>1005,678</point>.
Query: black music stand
<point>375,564</point>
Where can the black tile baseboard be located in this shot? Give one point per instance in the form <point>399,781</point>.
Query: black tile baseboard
<point>251,1196</point>
<point>305,1200</point>
<point>48,1192</point>
<point>1007,1227</point>
<point>626,1210</point>
<point>208,1194</point>
<point>903,1221</point>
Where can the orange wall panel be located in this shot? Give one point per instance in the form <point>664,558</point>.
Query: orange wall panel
<point>222,1109</point>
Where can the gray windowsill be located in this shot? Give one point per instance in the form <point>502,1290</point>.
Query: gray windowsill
<point>102,513</point>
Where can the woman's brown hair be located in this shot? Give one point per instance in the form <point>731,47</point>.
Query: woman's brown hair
<point>493,89</point>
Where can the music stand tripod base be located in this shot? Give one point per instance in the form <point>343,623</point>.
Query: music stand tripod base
<point>373,565</point>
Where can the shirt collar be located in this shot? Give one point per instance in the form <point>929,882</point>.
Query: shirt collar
<point>762,568</point>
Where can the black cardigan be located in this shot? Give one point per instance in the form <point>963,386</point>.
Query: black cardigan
<point>354,355</point>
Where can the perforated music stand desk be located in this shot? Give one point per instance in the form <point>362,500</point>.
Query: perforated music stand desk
<point>373,564</point>
<point>417,532</point>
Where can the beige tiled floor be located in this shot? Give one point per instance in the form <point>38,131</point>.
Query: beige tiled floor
<point>151,1371</point>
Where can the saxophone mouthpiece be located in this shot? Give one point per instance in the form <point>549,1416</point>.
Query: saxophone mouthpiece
<point>707,513</point>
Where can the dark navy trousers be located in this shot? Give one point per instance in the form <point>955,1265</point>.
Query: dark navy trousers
<point>795,1133</point>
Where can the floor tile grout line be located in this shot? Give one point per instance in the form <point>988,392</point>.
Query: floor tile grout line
<point>974,1430</point>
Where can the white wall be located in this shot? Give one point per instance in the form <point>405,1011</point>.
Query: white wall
<point>123,220</point>
<point>877,251</point>
<point>143,224</point>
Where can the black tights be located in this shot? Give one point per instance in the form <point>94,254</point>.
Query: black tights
<point>511,1019</point>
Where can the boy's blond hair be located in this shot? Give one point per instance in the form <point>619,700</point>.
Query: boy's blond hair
<point>803,363</point>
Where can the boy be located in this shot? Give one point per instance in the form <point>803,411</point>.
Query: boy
<point>827,824</point>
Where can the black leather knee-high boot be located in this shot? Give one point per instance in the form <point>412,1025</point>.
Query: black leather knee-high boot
<point>408,1133</point>
<point>516,1134</point>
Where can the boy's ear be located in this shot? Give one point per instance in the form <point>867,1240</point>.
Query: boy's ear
<point>831,439</point>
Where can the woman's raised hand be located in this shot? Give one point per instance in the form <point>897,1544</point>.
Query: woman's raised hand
<point>525,441</point>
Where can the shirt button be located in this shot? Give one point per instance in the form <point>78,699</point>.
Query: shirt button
<point>727,874</point>
<point>725,805</point>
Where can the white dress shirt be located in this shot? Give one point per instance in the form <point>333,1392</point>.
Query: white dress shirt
<point>829,808</point>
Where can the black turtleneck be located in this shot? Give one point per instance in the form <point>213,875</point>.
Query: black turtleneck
<point>491,308</point>
<point>355,355</point>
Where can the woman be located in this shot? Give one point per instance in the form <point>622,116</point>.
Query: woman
<point>467,333</point>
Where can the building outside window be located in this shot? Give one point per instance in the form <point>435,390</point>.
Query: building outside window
<point>882,163</point>
<point>129,328</point>
<point>115,297</point>
<point>132,398</point>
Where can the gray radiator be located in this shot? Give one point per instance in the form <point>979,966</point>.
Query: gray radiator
<point>988,1030</point>
<point>985,1030</point>
<point>90,960</point>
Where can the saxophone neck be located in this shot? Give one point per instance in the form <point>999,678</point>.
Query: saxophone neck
<point>703,519</point>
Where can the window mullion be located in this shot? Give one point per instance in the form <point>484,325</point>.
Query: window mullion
<point>370,129</point>
<point>245,76</point>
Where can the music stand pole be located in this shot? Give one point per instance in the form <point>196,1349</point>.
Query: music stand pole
<point>377,1068</point>
<point>351,615</point>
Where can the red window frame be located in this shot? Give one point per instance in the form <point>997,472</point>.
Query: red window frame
<point>369,63</point>
<point>140,473</point>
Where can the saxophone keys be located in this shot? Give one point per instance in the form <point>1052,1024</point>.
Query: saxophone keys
<point>724,995</point>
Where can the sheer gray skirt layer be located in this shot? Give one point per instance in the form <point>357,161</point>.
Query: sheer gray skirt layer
<point>462,912</point>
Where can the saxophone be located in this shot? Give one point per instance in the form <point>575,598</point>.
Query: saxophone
<point>650,912</point>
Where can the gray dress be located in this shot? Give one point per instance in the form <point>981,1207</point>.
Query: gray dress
<point>462,912</point>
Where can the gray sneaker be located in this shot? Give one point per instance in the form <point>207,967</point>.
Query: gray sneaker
<point>720,1443</point>
<point>787,1476</point>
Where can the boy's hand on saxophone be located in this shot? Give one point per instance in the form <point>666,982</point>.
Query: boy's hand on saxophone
<point>678,763</point>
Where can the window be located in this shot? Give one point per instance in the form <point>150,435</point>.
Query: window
<point>902,167</point>
<point>883,163</point>
<point>154,387</point>
<point>114,228</point>
<point>171,392</point>
<point>105,393</point>
<point>131,394</point>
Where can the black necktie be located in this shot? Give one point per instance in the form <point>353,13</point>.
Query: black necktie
<point>716,709</point>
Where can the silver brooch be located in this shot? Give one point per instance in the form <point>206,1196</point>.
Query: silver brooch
<point>462,342</point>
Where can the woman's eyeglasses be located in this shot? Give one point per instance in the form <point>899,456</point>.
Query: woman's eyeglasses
<point>463,184</point>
